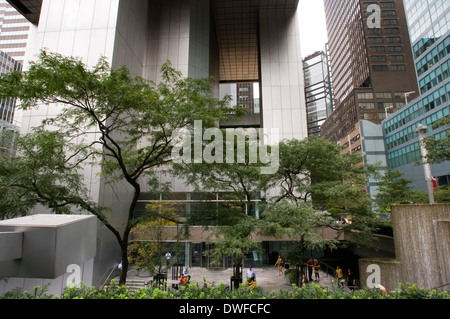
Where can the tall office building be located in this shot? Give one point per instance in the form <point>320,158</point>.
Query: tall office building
<point>14,32</point>
<point>372,65</point>
<point>318,90</point>
<point>429,27</point>
<point>7,106</point>
<point>231,41</point>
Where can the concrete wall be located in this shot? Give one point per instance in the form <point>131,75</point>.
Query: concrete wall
<point>282,81</point>
<point>422,250</point>
<point>53,250</point>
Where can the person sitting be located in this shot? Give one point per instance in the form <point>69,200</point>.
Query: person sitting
<point>182,280</point>
<point>186,274</point>
<point>251,274</point>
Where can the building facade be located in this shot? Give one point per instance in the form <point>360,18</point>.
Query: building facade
<point>14,32</point>
<point>7,106</point>
<point>429,27</point>
<point>318,90</point>
<point>228,41</point>
<point>372,65</point>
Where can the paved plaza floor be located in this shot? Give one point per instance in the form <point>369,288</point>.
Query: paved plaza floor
<point>267,278</point>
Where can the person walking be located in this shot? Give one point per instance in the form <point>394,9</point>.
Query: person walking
<point>351,279</point>
<point>279,263</point>
<point>316,270</point>
<point>339,276</point>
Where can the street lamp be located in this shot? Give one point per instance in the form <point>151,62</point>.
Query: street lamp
<point>408,94</point>
<point>421,129</point>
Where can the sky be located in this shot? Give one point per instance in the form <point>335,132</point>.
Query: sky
<point>313,30</point>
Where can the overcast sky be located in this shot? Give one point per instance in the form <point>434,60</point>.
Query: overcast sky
<point>313,30</point>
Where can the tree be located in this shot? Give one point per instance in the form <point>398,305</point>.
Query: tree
<point>234,173</point>
<point>393,189</point>
<point>45,174</point>
<point>122,123</point>
<point>439,148</point>
<point>316,171</point>
<point>300,223</point>
<point>151,236</point>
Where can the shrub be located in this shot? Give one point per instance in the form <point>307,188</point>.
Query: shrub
<point>213,291</point>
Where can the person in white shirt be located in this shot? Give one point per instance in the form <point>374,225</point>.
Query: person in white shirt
<point>251,274</point>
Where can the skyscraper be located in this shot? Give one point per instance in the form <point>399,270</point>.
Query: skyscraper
<point>14,32</point>
<point>372,66</point>
<point>230,41</point>
<point>429,27</point>
<point>318,90</point>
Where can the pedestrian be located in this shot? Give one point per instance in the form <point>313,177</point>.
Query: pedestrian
<point>168,256</point>
<point>351,279</point>
<point>339,276</point>
<point>310,265</point>
<point>119,266</point>
<point>251,275</point>
<point>279,263</point>
<point>182,279</point>
<point>316,270</point>
<point>286,265</point>
<point>186,274</point>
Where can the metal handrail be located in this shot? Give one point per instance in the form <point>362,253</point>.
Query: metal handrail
<point>109,275</point>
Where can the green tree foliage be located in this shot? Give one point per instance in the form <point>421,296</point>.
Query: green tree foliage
<point>43,173</point>
<point>151,235</point>
<point>121,122</point>
<point>393,189</point>
<point>238,183</point>
<point>439,148</point>
<point>314,171</point>
<point>301,224</point>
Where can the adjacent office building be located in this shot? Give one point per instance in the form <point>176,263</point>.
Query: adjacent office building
<point>372,65</point>
<point>429,27</point>
<point>14,32</point>
<point>318,90</point>
<point>7,106</point>
<point>230,41</point>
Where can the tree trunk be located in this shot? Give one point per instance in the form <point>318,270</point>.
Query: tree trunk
<point>124,271</point>
<point>126,233</point>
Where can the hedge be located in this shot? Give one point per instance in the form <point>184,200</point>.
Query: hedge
<point>220,291</point>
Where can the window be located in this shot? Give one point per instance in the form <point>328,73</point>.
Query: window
<point>380,68</point>
<point>378,58</point>
<point>393,40</point>
<point>367,106</point>
<point>387,4</point>
<point>390,21</point>
<point>384,95</point>
<point>398,67</point>
<point>372,40</point>
<point>392,30</point>
<point>391,13</point>
<point>365,96</point>
<point>376,49</point>
<point>395,49</point>
<point>396,58</point>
